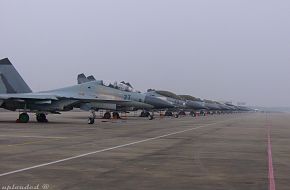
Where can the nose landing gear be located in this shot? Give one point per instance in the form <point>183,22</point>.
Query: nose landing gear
<point>92,117</point>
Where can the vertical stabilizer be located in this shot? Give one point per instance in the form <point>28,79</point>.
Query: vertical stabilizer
<point>82,78</point>
<point>91,78</point>
<point>11,79</point>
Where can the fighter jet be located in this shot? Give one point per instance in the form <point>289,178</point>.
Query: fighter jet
<point>194,104</point>
<point>176,102</point>
<point>232,107</point>
<point>212,106</point>
<point>15,94</point>
<point>224,108</point>
<point>245,109</point>
<point>135,100</point>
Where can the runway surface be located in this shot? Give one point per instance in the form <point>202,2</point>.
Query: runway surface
<point>234,151</point>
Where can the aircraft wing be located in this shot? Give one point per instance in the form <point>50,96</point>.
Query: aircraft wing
<point>44,96</point>
<point>27,96</point>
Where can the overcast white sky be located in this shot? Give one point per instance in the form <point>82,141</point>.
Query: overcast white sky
<point>236,50</point>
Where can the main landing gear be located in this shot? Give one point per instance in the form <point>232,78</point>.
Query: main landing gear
<point>41,118</point>
<point>116,115</point>
<point>147,114</point>
<point>168,114</point>
<point>181,113</point>
<point>23,118</point>
<point>107,115</point>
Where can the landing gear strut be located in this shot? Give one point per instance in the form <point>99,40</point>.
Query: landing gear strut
<point>151,116</point>
<point>23,118</point>
<point>41,118</point>
<point>193,114</point>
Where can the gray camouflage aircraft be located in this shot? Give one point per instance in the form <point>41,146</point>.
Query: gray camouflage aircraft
<point>178,104</point>
<point>194,104</point>
<point>15,94</point>
<point>135,100</point>
<point>90,95</point>
<point>184,103</point>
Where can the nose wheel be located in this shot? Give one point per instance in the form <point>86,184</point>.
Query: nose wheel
<point>92,117</point>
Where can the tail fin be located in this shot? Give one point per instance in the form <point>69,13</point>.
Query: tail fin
<point>10,79</point>
<point>82,78</point>
<point>91,78</point>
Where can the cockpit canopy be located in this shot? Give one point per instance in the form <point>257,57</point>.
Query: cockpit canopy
<point>188,97</point>
<point>124,86</point>
<point>166,93</point>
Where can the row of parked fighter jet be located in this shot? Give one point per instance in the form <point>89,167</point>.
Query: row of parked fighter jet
<point>93,95</point>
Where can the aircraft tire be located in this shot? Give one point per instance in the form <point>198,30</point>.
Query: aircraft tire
<point>23,118</point>
<point>168,113</point>
<point>116,115</point>
<point>41,118</point>
<point>182,113</point>
<point>107,115</point>
<point>193,114</point>
<point>144,114</point>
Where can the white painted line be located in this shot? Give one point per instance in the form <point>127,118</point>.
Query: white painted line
<point>104,150</point>
<point>40,137</point>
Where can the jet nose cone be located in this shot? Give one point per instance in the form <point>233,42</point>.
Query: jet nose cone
<point>157,102</point>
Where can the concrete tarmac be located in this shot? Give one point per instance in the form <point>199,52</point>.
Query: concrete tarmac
<point>205,153</point>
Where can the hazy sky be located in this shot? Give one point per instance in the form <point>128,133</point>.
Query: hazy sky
<point>236,50</point>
